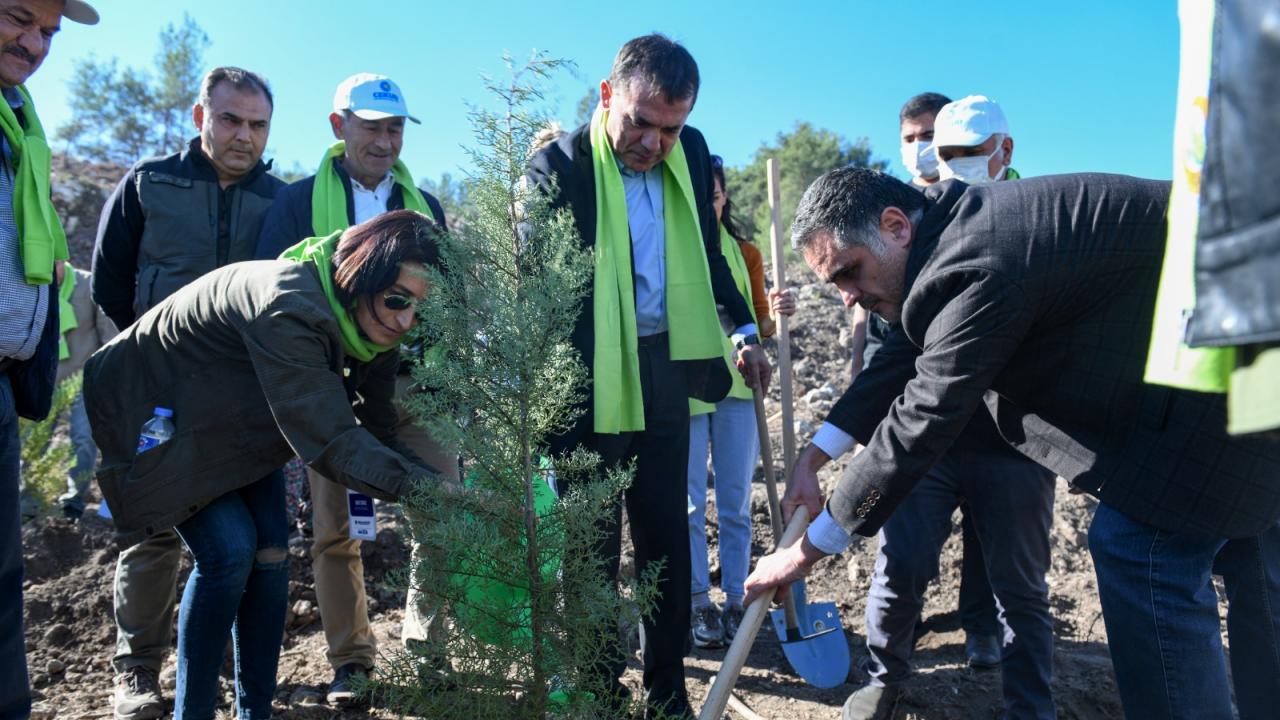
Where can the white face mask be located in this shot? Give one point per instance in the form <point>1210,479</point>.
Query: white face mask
<point>921,159</point>
<point>974,169</point>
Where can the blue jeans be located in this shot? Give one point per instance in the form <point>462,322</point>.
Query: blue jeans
<point>86,457</point>
<point>1161,614</point>
<point>1010,500</point>
<point>735,445</point>
<point>239,585</point>
<point>15,690</point>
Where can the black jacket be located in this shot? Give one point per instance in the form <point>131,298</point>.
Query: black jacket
<point>1238,249</point>
<point>289,220</point>
<point>567,162</point>
<point>167,223</point>
<point>1036,299</point>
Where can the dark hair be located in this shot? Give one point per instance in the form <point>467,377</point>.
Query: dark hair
<point>927,103</point>
<point>239,78</point>
<point>848,202</point>
<point>369,255</point>
<point>660,61</point>
<point>726,214</point>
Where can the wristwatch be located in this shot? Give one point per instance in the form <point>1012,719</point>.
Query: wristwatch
<point>746,340</point>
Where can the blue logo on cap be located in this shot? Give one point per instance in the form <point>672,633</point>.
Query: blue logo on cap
<point>384,85</point>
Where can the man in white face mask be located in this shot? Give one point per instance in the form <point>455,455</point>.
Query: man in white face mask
<point>915,128</point>
<point>972,140</point>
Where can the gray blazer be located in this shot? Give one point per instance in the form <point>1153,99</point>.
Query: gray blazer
<point>1033,301</point>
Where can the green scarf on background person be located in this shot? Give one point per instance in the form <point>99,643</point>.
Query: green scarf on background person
<point>41,240</point>
<point>329,197</point>
<point>693,328</point>
<point>741,280</point>
<point>66,311</point>
<point>319,250</point>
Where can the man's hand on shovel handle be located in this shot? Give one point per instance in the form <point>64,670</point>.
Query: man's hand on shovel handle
<point>780,569</point>
<point>754,365</point>
<point>802,486</point>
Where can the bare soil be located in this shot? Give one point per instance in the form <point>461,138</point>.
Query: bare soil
<point>70,633</point>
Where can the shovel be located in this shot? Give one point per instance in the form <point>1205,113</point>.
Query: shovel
<point>807,632</point>
<point>817,653</point>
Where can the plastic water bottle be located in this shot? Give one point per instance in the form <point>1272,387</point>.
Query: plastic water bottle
<point>157,430</point>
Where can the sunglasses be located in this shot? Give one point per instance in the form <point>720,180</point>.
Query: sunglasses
<point>395,302</point>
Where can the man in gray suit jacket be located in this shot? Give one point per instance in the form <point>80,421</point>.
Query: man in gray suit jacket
<point>1033,301</point>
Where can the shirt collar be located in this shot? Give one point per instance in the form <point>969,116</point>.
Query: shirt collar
<point>13,97</point>
<point>383,185</point>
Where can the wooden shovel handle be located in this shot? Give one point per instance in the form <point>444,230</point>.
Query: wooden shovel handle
<point>775,507</point>
<point>736,657</point>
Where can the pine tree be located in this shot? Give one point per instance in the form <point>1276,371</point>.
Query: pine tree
<point>513,570</point>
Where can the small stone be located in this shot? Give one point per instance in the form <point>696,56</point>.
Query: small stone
<point>305,696</point>
<point>55,667</point>
<point>169,678</point>
<point>42,713</point>
<point>58,634</point>
<point>302,609</point>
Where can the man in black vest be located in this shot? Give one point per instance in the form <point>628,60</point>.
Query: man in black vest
<point>640,127</point>
<point>1033,301</point>
<point>169,221</point>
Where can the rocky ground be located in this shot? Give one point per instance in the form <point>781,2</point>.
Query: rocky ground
<point>70,635</point>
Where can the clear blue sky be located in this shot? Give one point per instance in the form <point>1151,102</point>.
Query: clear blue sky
<point>1086,85</point>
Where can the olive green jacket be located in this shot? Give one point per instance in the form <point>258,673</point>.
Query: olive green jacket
<point>250,360</point>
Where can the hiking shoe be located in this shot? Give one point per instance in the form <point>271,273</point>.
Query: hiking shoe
<point>983,651</point>
<point>342,691</point>
<point>731,618</point>
<point>707,630</point>
<point>870,702</point>
<point>137,695</point>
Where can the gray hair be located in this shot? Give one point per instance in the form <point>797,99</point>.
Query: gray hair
<point>848,202</point>
<point>239,78</point>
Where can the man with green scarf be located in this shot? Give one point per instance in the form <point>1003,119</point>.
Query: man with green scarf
<point>638,182</point>
<point>360,177</point>
<point>31,242</point>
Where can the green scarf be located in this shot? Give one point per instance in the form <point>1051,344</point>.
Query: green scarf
<point>329,198</point>
<point>692,325</point>
<point>319,250</point>
<point>40,235</point>
<point>738,266</point>
<point>66,311</point>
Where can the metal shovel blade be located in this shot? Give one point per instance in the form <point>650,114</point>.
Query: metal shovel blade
<point>816,649</point>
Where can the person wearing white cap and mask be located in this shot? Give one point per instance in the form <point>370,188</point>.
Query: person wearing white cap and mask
<point>32,242</point>
<point>972,139</point>
<point>360,176</point>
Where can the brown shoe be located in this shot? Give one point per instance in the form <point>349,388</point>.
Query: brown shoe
<point>137,695</point>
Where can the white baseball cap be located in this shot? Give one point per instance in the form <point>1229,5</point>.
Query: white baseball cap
<point>968,121</point>
<point>81,12</point>
<point>371,97</point>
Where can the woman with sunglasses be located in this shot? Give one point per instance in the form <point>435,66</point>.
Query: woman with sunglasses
<point>729,428</point>
<point>256,362</point>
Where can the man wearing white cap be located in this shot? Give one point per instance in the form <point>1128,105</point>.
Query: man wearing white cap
<point>360,177</point>
<point>31,243</point>
<point>973,142</point>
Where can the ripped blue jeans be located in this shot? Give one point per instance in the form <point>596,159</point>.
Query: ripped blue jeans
<point>239,586</point>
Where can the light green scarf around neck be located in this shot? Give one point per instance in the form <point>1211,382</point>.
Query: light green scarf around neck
<point>742,281</point>
<point>319,250</point>
<point>329,197</point>
<point>40,237</point>
<point>66,311</point>
<point>692,325</point>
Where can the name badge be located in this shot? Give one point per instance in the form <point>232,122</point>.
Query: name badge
<point>360,515</point>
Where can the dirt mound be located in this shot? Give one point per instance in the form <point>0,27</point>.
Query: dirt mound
<point>70,635</point>
<point>80,189</point>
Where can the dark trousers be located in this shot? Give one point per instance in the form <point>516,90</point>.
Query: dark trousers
<point>656,505</point>
<point>977,605</point>
<point>1011,503</point>
<point>15,692</point>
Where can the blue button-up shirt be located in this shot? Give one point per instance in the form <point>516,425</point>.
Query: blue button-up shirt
<point>648,246</point>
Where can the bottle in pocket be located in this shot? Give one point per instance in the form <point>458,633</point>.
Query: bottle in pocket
<point>156,431</point>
